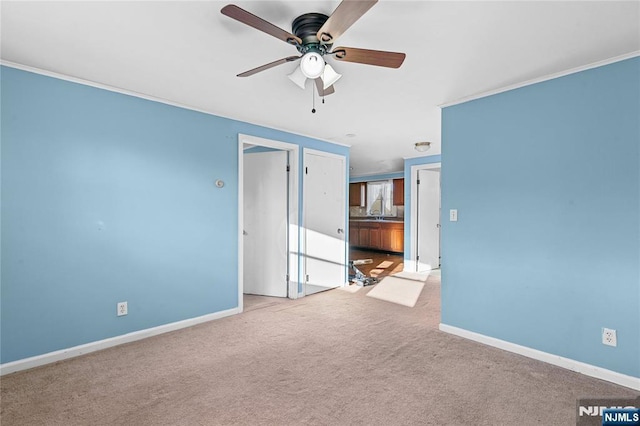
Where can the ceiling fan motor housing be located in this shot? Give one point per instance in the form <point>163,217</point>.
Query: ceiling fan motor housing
<point>306,28</point>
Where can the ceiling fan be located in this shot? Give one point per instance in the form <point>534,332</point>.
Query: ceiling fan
<point>313,35</point>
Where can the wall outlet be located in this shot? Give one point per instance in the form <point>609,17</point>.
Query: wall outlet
<point>122,309</point>
<point>609,337</point>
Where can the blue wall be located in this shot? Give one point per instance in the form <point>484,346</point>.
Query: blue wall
<point>408,163</point>
<point>546,248</point>
<point>107,198</point>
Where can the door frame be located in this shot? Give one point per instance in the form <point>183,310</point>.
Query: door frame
<point>303,263</point>
<point>294,208</point>
<point>413,261</point>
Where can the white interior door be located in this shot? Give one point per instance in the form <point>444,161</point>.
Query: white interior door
<point>324,221</point>
<point>265,223</point>
<point>428,250</point>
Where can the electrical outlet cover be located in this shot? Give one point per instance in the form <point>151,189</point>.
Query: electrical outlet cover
<point>122,309</point>
<point>609,337</point>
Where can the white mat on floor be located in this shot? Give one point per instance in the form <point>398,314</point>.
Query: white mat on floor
<point>385,264</point>
<point>403,288</point>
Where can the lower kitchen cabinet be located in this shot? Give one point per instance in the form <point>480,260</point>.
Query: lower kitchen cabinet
<point>397,239</point>
<point>374,239</point>
<point>377,235</point>
<point>354,236</point>
<point>386,239</point>
<point>365,237</point>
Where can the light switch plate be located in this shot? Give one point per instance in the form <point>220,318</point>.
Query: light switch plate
<point>453,215</point>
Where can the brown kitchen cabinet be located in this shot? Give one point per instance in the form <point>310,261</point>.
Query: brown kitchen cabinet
<point>392,237</point>
<point>354,235</point>
<point>358,194</point>
<point>364,234</point>
<point>386,239</point>
<point>397,239</point>
<point>398,192</point>
<point>377,235</point>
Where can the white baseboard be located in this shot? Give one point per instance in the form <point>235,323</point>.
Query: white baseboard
<point>569,364</point>
<point>293,290</point>
<point>48,358</point>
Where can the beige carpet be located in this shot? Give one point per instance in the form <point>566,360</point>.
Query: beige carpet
<point>352,288</point>
<point>402,288</point>
<point>334,358</point>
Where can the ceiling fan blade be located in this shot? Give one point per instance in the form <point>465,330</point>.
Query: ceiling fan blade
<point>269,65</point>
<point>321,90</point>
<point>369,57</point>
<point>347,12</point>
<point>233,11</point>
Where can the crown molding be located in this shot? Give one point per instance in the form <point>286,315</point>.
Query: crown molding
<point>541,79</point>
<point>151,98</point>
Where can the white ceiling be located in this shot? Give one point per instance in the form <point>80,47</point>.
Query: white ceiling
<point>189,53</point>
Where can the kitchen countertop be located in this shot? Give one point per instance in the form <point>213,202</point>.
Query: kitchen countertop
<point>376,220</point>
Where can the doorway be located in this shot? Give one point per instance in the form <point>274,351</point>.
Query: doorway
<point>268,185</point>
<point>425,217</point>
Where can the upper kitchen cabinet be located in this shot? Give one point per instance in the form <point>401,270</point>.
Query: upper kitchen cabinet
<point>398,192</point>
<point>357,194</point>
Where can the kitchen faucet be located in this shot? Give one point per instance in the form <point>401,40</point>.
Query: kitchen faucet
<point>377,214</point>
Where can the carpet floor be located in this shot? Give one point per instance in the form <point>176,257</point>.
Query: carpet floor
<point>334,358</point>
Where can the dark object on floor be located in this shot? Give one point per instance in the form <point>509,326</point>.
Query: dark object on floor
<point>358,277</point>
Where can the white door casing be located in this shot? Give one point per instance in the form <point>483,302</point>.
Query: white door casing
<point>294,208</point>
<point>265,223</point>
<point>324,221</point>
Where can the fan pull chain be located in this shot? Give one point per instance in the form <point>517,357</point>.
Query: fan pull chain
<point>313,101</point>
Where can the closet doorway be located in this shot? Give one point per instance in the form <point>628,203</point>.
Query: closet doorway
<point>268,240</point>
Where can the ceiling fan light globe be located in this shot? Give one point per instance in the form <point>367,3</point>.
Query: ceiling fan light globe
<point>312,65</point>
<point>298,78</point>
<point>329,76</point>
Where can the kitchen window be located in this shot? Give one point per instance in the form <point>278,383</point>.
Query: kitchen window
<point>380,198</point>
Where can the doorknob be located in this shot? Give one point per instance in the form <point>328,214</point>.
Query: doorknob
<point>244,232</point>
<point>340,231</point>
